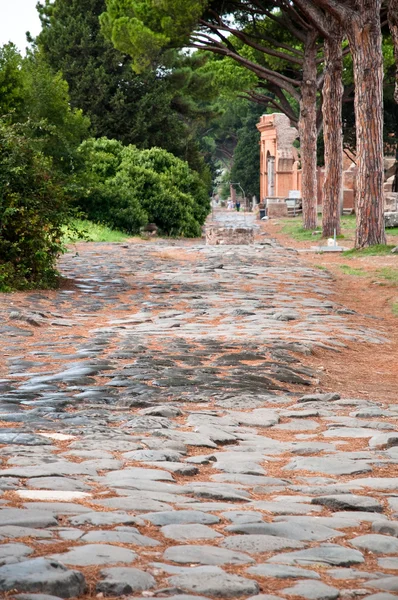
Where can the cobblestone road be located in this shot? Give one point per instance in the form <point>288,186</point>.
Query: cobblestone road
<point>161,434</point>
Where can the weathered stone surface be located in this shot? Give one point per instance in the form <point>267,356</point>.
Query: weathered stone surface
<point>282,572</point>
<point>260,543</point>
<point>378,544</point>
<point>95,554</point>
<point>180,517</point>
<point>26,517</point>
<point>330,554</point>
<point>312,590</point>
<point>215,584</point>
<point>42,575</point>
<point>349,502</point>
<point>118,581</point>
<point>189,532</point>
<point>206,555</point>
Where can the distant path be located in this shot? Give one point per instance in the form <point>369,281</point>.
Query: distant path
<point>154,434</point>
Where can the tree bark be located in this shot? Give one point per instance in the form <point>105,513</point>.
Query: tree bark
<point>393,24</point>
<point>332,130</point>
<point>308,134</point>
<point>365,38</point>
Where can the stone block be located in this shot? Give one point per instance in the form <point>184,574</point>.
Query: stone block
<point>391,219</point>
<point>229,236</point>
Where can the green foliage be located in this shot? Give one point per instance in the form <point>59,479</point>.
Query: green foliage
<point>144,28</point>
<point>32,212</point>
<point>245,168</point>
<point>81,230</point>
<point>46,100</point>
<point>389,273</point>
<point>378,250</point>
<point>11,80</point>
<point>163,107</point>
<point>294,228</point>
<point>347,270</point>
<point>126,188</point>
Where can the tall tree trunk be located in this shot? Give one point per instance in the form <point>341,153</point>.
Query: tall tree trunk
<point>365,38</point>
<point>393,24</point>
<point>332,130</point>
<point>308,134</point>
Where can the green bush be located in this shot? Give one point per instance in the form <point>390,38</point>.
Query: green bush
<point>126,188</point>
<point>33,210</point>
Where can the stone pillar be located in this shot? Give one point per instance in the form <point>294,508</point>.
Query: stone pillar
<point>277,152</point>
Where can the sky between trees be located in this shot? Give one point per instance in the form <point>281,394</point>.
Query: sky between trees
<point>16,18</point>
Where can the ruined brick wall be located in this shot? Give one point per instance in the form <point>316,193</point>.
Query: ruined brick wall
<point>229,236</point>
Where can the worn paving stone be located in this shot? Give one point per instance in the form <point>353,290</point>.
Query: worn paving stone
<point>349,502</point>
<point>43,576</point>
<point>282,572</point>
<point>217,583</point>
<point>118,581</point>
<point>95,554</point>
<point>206,555</point>
<point>331,554</point>
<point>313,590</point>
<point>260,543</point>
<point>378,544</point>
<point>180,517</point>
<point>189,532</point>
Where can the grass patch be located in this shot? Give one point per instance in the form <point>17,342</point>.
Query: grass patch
<point>348,222</point>
<point>87,231</point>
<point>320,267</point>
<point>389,273</point>
<point>394,308</point>
<point>347,270</point>
<point>379,250</point>
<point>392,231</point>
<point>294,228</point>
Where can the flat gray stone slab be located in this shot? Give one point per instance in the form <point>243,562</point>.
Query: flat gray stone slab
<point>118,581</point>
<point>24,439</point>
<point>138,503</point>
<point>282,572</point>
<point>349,502</point>
<point>216,585</point>
<point>389,584</point>
<point>312,590</point>
<point>27,517</point>
<point>331,554</point>
<point>42,576</point>
<point>260,543</point>
<point>126,535</point>
<point>259,417</point>
<point>377,483</point>
<point>11,553</point>
<point>95,554</point>
<point>328,465</point>
<point>378,544</point>
<point>179,517</point>
<point>206,555</point>
<point>57,484</point>
<point>134,473</point>
<point>15,531</point>
<point>286,508</point>
<point>104,518</point>
<point>194,531</point>
<point>292,531</point>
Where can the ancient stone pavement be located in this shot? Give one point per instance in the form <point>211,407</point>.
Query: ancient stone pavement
<point>161,434</point>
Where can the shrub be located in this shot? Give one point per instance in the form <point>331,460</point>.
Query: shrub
<point>125,188</point>
<point>33,210</point>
